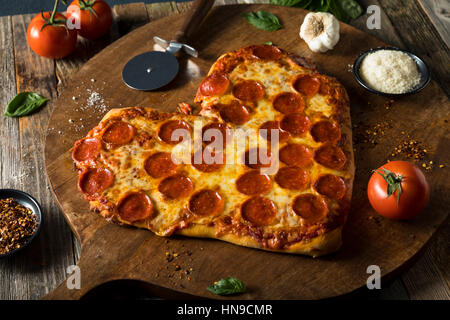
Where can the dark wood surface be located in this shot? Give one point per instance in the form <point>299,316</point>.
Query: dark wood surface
<point>54,251</point>
<point>370,240</point>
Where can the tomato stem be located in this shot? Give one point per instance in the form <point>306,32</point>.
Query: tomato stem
<point>87,5</point>
<point>52,21</point>
<point>394,182</point>
<point>55,7</point>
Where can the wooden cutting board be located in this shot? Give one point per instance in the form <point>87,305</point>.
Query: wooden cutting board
<point>111,252</point>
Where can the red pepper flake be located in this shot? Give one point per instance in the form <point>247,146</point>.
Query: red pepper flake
<point>370,134</point>
<point>17,225</point>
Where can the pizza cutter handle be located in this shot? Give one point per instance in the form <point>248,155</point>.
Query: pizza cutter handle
<point>198,11</point>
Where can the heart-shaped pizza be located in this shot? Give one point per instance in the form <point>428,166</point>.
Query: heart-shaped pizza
<point>268,162</point>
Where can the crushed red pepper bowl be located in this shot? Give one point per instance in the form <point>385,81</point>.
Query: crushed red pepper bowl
<point>424,71</point>
<point>28,201</point>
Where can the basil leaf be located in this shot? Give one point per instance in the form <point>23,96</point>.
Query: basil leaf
<point>24,103</point>
<point>341,9</point>
<point>270,43</point>
<point>303,4</point>
<point>263,20</point>
<point>337,11</point>
<point>351,7</point>
<point>227,286</point>
<point>286,3</point>
<point>319,6</point>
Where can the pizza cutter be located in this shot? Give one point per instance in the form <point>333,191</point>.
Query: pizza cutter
<point>154,69</point>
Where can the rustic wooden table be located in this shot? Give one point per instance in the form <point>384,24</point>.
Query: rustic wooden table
<point>419,26</point>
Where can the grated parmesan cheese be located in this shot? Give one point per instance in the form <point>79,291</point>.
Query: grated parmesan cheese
<point>390,71</point>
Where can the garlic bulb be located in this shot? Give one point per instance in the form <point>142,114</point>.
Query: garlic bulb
<point>320,30</point>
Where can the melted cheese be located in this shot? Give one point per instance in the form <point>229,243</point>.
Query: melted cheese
<point>127,161</point>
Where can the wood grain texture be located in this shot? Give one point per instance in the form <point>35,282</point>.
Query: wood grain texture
<point>15,282</point>
<point>387,33</point>
<point>42,264</point>
<point>10,176</point>
<point>439,247</point>
<point>159,10</point>
<point>368,240</point>
<point>84,50</point>
<point>9,127</point>
<point>130,16</point>
<point>413,28</point>
<point>438,11</point>
<point>420,37</point>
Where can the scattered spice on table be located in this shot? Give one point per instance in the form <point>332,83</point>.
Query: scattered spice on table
<point>177,266</point>
<point>370,134</point>
<point>17,225</point>
<point>415,150</point>
<point>411,148</point>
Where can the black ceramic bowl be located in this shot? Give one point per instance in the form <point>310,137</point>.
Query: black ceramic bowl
<point>423,70</point>
<point>28,201</point>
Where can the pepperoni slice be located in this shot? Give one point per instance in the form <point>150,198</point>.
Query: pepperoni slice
<point>267,52</point>
<point>293,178</point>
<point>167,130</point>
<point>212,130</point>
<point>94,181</point>
<point>207,160</point>
<point>325,131</point>
<point>296,124</point>
<point>330,156</point>
<point>248,90</point>
<point>296,155</point>
<point>160,165</point>
<point>135,206</point>
<point>311,208</point>
<point>118,133</point>
<point>175,187</point>
<point>86,149</point>
<point>215,84</point>
<point>206,203</point>
<point>259,211</point>
<point>253,182</point>
<point>266,133</point>
<point>288,102</point>
<point>331,186</point>
<point>306,84</point>
<point>257,158</point>
<point>235,113</point>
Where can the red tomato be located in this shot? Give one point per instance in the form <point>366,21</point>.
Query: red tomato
<point>94,16</point>
<point>408,191</point>
<point>53,41</point>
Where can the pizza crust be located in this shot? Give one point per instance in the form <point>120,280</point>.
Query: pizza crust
<point>318,246</point>
<point>329,238</point>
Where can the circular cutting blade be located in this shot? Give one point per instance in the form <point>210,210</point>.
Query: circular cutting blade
<point>150,70</point>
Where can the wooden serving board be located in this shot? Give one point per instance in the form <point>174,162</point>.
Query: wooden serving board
<point>111,252</point>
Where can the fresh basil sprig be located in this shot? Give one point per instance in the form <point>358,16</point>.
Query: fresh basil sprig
<point>341,9</point>
<point>24,103</point>
<point>263,20</point>
<point>227,286</point>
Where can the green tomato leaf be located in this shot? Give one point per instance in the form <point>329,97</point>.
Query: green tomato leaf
<point>319,6</point>
<point>286,3</point>
<point>337,11</point>
<point>351,8</point>
<point>227,286</point>
<point>24,103</point>
<point>304,4</point>
<point>263,20</point>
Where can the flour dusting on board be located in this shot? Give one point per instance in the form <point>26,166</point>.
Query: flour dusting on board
<point>94,105</point>
<point>95,101</point>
